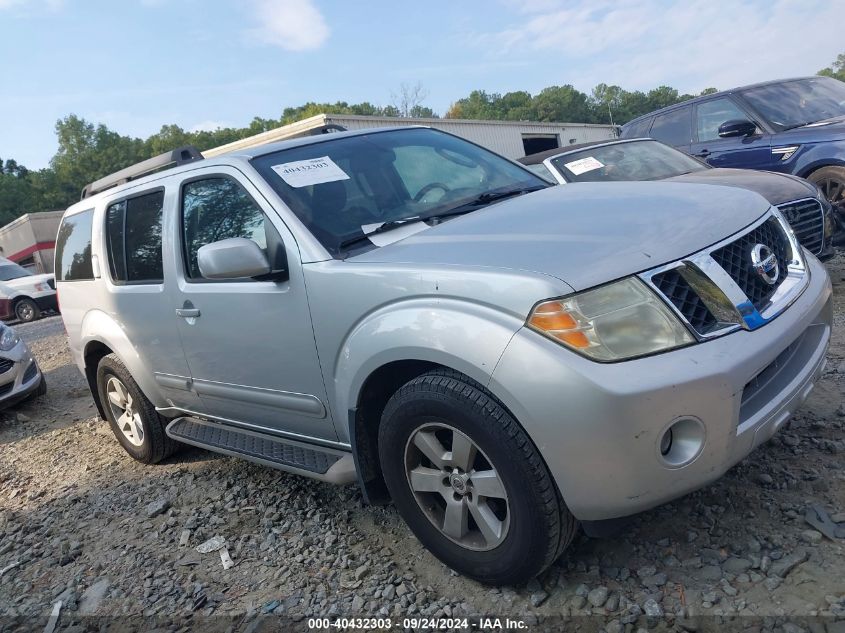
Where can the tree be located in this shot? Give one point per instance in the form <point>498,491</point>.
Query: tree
<point>408,101</point>
<point>836,69</point>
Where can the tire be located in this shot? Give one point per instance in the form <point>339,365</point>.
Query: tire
<point>831,180</point>
<point>530,526</point>
<point>141,430</point>
<point>26,310</point>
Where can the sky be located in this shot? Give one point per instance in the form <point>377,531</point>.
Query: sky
<point>136,65</point>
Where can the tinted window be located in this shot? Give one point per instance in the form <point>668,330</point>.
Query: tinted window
<point>673,128</point>
<point>216,209</point>
<point>353,182</point>
<point>634,160</point>
<point>133,238</point>
<point>711,114</point>
<point>73,248</point>
<point>638,129</point>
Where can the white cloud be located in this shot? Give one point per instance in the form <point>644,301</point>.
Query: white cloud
<point>51,5</point>
<point>689,45</point>
<point>295,25</point>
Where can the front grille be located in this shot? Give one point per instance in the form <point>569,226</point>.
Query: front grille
<point>6,365</point>
<point>4,389</point>
<point>735,258</point>
<point>676,289</point>
<point>30,372</point>
<point>806,217</point>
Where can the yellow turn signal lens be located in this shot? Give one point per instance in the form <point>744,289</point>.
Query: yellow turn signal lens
<point>553,319</point>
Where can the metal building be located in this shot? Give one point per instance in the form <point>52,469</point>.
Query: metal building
<point>30,240</point>
<point>513,139</point>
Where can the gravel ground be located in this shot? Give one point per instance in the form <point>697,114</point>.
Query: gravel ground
<point>82,523</point>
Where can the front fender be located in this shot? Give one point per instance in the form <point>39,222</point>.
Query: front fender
<point>818,155</point>
<point>99,327</point>
<point>463,336</point>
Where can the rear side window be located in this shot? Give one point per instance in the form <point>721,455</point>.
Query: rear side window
<point>638,129</point>
<point>673,128</point>
<point>217,208</point>
<point>133,238</point>
<point>73,248</point>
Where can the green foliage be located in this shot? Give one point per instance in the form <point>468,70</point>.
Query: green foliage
<point>836,69</point>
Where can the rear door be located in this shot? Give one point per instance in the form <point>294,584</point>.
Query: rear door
<point>249,343</point>
<point>137,296</point>
<point>674,128</point>
<point>749,152</point>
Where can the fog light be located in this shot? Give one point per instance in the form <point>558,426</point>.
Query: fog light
<point>681,442</point>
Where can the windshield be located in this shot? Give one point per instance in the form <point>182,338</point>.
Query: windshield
<point>9,271</point>
<point>635,160</point>
<point>796,103</point>
<point>342,188</point>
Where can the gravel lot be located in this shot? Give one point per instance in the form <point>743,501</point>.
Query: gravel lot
<point>85,525</point>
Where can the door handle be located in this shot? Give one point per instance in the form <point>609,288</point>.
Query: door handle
<point>187,313</point>
<point>703,153</point>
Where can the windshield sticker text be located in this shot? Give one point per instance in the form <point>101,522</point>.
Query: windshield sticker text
<point>314,171</point>
<point>584,165</point>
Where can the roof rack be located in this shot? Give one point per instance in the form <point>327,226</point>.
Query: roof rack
<point>173,158</point>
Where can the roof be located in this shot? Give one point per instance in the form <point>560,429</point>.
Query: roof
<point>539,157</point>
<point>719,94</point>
<point>269,148</point>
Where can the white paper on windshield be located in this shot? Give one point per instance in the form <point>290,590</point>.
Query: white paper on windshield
<point>314,171</point>
<point>394,235</point>
<point>583,165</point>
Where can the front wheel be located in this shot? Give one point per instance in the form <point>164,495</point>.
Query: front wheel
<point>469,482</point>
<point>831,180</point>
<point>27,310</point>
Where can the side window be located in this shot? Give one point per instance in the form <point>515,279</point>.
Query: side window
<point>711,114</point>
<point>73,248</point>
<point>638,129</point>
<point>133,239</point>
<point>673,128</point>
<point>217,208</point>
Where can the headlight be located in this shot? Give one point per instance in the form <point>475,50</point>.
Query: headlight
<point>8,338</point>
<point>614,322</point>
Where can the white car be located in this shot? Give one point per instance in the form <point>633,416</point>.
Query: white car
<point>24,296</point>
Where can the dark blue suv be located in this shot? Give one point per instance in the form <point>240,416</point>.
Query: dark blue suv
<point>795,126</point>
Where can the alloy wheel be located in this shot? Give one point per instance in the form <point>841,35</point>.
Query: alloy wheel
<point>834,190</point>
<point>24,312</point>
<point>457,486</point>
<point>122,406</point>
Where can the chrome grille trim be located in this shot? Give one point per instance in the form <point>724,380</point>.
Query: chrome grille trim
<point>724,298</point>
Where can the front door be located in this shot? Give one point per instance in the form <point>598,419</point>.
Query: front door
<point>746,152</point>
<point>249,343</point>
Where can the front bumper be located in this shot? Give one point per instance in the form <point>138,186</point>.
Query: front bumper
<point>599,426</point>
<point>21,379</point>
<point>47,303</point>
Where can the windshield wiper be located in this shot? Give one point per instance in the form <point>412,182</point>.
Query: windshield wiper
<point>481,200</point>
<point>381,228</point>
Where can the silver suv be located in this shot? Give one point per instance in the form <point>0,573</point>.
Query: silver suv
<point>406,310</point>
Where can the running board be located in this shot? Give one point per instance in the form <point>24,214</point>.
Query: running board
<point>318,462</point>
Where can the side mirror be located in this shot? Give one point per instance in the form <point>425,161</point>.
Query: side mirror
<point>737,127</point>
<point>233,258</point>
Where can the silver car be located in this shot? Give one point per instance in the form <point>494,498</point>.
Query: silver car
<point>406,310</point>
<point>20,377</point>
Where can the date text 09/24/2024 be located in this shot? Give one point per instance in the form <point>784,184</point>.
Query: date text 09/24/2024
<point>431,624</point>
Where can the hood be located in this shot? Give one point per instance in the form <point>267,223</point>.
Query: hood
<point>584,235</point>
<point>827,130</point>
<point>776,188</point>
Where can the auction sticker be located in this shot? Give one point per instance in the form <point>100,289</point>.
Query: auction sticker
<point>314,171</point>
<point>582,166</point>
